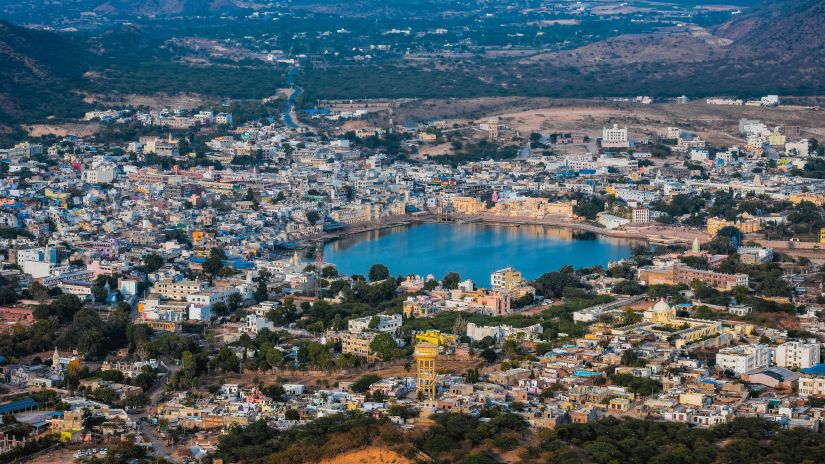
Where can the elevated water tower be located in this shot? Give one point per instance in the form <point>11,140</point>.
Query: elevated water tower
<point>425,355</point>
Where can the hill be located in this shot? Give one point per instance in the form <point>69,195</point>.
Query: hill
<point>37,72</point>
<point>154,8</point>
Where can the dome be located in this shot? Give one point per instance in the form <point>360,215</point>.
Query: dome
<point>661,306</point>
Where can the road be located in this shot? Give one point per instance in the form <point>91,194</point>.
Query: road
<point>155,394</point>
<point>290,116</point>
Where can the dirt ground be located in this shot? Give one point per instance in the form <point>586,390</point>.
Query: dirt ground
<point>62,130</point>
<point>716,123</point>
<point>61,455</point>
<point>157,101</point>
<point>313,378</point>
<point>372,455</point>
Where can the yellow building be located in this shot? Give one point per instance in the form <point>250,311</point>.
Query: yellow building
<point>746,223</point>
<point>507,279</point>
<point>822,235</point>
<point>797,198</point>
<point>427,137</point>
<point>533,207</point>
<point>777,139</point>
<point>467,205</point>
<point>716,224</point>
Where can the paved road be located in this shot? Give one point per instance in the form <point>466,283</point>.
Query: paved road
<point>155,394</point>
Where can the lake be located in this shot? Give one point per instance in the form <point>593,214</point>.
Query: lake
<point>472,250</point>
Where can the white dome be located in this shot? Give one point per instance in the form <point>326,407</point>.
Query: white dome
<point>660,306</point>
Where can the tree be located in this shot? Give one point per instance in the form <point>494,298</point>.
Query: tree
<point>313,217</point>
<point>378,272</point>
<point>329,271</point>
<point>110,375</point>
<point>451,280</point>
<point>261,292</point>
<point>214,263</point>
<point>235,301</point>
<point>220,309</point>
<point>100,294</point>
<point>384,346</point>
<point>226,360</point>
<point>627,287</point>
<point>291,415</point>
<point>473,375</point>
<point>489,355</point>
<point>88,332</point>
<point>363,384</point>
<point>38,291</point>
<point>275,391</point>
<point>152,262</point>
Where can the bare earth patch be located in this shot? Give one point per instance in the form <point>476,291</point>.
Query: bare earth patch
<point>371,455</point>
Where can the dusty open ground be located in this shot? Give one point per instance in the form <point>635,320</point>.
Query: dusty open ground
<point>156,101</point>
<point>61,130</point>
<point>313,378</point>
<point>371,455</point>
<point>716,123</point>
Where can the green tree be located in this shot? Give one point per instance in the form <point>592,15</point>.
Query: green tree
<point>152,262</point>
<point>261,292</point>
<point>226,360</point>
<point>384,346</point>
<point>451,280</point>
<point>363,383</point>
<point>378,272</point>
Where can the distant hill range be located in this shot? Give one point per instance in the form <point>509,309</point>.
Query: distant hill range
<point>38,72</point>
<point>164,7</point>
<point>779,25</point>
<point>775,46</point>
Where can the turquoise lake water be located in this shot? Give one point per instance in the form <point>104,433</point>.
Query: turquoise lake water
<point>472,250</point>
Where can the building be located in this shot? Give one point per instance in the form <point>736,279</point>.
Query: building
<point>641,216</point>
<point>743,359</point>
<point>466,205</point>
<point>681,274</point>
<point>812,382</point>
<point>506,279</point>
<point>357,344</point>
<point>389,323</point>
<point>255,324</point>
<point>614,137</point>
<point>179,290</point>
<point>223,118</point>
<point>797,355</point>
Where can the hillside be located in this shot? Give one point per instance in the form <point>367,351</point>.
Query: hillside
<point>37,71</point>
<point>154,8</point>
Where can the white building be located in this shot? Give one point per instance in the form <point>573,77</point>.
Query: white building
<point>743,359</point>
<point>614,137</point>
<point>254,324</point>
<point>610,221</point>
<point>389,323</point>
<point>641,216</point>
<point>501,332</point>
<point>797,355</point>
<point>102,173</point>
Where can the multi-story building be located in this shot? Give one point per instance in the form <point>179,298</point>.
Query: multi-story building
<point>641,216</point>
<point>743,359</point>
<point>797,355</point>
<point>179,290</point>
<point>506,279</point>
<point>357,344</point>
<point>614,137</point>
<point>389,323</point>
<point>812,382</point>
<point>681,274</point>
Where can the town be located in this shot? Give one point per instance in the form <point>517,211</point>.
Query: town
<point>167,297</point>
